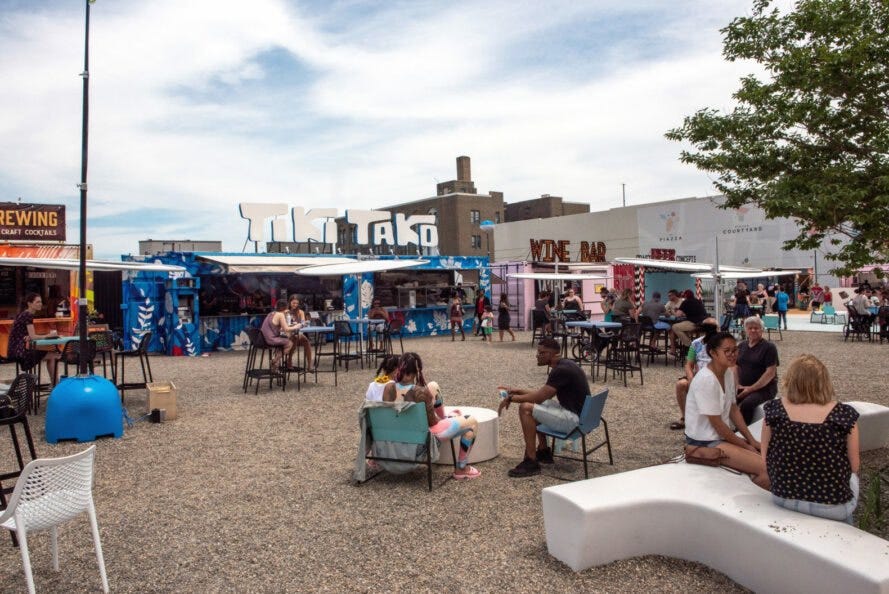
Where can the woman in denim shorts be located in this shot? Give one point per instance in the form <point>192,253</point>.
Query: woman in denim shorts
<point>710,410</point>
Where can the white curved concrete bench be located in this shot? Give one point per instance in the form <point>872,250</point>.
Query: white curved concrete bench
<point>873,425</point>
<point>719,519</point>
<point>713,517</point>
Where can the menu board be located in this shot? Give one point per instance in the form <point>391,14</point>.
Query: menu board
<point>7,286</point>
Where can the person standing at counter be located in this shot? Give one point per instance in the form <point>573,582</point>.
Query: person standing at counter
<point>22,331</point>
<point>456,314</point>
<point>481,302</point>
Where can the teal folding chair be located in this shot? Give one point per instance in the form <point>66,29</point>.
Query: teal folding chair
<point>590,418</point>
<point>407,426</point>
<point>772,324</point>
<point>830,314</point>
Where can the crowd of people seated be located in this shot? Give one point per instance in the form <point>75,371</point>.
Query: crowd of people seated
<point>807,456</point>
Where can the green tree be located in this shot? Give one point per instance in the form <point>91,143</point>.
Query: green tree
<point>809,138</point>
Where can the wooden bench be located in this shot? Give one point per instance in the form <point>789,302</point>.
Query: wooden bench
<point>719,519</point>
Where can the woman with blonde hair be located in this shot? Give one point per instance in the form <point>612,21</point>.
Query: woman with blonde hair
<point>810,444</point>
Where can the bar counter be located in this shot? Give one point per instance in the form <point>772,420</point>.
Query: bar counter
<point>64,326</point>
<point>226,332</point>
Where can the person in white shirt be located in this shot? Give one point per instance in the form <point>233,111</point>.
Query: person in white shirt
<point>710,410</point>
<point>384,376</point>
<point>696,360</point>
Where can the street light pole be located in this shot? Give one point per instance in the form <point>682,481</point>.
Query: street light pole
<point>82,313</point>
<point>487,226</point>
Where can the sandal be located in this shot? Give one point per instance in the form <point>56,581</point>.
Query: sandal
<point>677,425</point>
<point>471,472</point>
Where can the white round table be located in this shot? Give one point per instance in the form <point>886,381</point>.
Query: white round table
<point>487,439</point>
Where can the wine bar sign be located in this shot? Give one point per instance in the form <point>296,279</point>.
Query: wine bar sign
<point>550,250</point>
<point>32,222</point>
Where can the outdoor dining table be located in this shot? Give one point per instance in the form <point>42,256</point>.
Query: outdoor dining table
<point>316,333</point>
<point>55,341</point>
<point>592,324</point>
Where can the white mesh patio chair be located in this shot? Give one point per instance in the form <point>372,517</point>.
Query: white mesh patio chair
<point>49,492</point>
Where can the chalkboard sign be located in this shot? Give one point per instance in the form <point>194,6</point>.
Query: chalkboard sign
<point>7,286</point>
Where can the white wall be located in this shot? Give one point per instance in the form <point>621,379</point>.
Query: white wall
<point>691,226</point>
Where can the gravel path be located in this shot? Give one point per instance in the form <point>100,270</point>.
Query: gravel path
<point>253,492</point>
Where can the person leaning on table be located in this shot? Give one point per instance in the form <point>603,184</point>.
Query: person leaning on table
<point>568,383</point>
<point>23,331</point>
<point>710,410</point>
<point>692,312</point>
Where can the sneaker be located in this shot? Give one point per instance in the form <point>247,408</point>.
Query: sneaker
<point>545,456</point>
<point>526,467</point>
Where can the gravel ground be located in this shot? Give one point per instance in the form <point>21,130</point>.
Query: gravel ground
<point>254,493</point>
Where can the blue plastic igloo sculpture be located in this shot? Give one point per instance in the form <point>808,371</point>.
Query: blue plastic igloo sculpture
<point>83,408</point>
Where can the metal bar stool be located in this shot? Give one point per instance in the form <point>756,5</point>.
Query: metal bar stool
<point>345,339</point>
<point>261,370</point>
<point>140,352</point>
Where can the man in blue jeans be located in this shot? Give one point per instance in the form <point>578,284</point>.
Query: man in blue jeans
<point>782,301</point>
<point>568,383</point>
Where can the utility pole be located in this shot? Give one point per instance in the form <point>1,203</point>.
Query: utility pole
<point>623,191</point>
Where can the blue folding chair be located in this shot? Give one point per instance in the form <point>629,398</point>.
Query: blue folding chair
<point>588,421</point>
<point>772,323</point>
<point>407,426</point>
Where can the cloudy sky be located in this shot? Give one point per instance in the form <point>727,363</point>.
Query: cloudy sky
<point>198,105</point>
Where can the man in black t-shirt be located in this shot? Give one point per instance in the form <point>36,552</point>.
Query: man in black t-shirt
<point>693,313</point>
<point>757,369</point>
<point>568,383</point>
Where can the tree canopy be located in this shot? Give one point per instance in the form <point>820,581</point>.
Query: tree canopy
<point>809,138</point>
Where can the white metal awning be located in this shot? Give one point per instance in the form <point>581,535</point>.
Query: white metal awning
<point>556,276</point>
<point>741,275</point>
<point>359,267</point>
<point>246,263</point>
<point>586,266</point>
<point>74,264</point>
<point>682,266</point>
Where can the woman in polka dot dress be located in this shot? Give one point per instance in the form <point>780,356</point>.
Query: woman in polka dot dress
<point>810,445</point>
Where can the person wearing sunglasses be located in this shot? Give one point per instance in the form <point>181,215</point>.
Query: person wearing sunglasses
<point>711,410</point>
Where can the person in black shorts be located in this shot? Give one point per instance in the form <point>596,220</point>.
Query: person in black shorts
<point>568,383</point>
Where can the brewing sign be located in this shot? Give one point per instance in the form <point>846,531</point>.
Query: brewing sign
<point>32,222</point>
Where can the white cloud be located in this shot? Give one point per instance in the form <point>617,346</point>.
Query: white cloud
<point>186,115</point>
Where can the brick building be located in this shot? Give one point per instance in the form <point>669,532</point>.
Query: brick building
<point>459,210</point>
<point>544,207</point>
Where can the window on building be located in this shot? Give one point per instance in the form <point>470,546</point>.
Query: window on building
<point>476,241</point>
<point>475,216</point>
<point>497,217</point>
